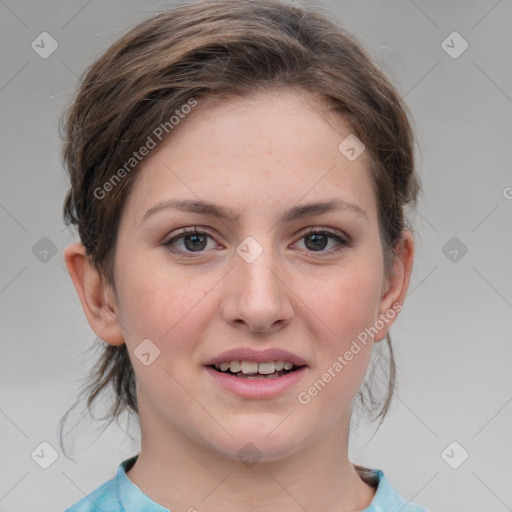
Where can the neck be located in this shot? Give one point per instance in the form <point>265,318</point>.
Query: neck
<point>181,474</point>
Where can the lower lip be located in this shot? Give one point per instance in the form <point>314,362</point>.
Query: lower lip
<point>257,388</point>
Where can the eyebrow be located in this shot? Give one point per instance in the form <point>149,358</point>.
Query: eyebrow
<point>214,210</point>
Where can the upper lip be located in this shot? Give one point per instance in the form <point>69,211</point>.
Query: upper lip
<point>256,356</point>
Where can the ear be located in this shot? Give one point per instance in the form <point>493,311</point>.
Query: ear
<point>395,284</point>
<point>96,296</point>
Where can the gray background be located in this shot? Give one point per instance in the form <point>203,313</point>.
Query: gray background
<point>453,337</point>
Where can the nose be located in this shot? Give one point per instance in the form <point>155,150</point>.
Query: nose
<point>257,296</point>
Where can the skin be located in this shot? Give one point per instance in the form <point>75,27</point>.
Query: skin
<point>260,156</point>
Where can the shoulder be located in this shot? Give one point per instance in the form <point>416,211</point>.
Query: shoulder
<point>104,498</point>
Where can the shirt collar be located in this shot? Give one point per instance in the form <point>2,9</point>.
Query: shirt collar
<point>387,497</point>
<point>130,497</point>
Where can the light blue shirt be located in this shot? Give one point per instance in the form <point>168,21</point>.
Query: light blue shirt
<point>120,494</point>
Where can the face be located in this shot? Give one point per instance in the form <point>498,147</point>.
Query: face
<point>257,283</point>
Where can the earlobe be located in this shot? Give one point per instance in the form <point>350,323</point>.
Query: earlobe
<point>396,284</point>
<point>96,296</point>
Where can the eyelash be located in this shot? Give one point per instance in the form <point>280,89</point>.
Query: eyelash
<point>342,242</point>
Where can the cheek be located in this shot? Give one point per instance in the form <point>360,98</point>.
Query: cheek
<point>344,309</point>
<point>171,313</point>
<point>348,303</point>
<point>161,304</point>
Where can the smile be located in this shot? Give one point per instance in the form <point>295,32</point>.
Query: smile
<point>255,370</point>
<point>254,385</point>
<point>251,373</point>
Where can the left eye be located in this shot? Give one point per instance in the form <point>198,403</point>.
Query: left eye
<point>319,240</point>
<point>196,241</point>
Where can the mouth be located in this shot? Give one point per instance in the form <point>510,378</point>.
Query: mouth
<point>256,374</point>
<point>254,370</point>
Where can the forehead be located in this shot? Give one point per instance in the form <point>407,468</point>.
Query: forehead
<point>272,149</point>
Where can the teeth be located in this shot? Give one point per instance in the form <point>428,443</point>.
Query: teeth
<point>266,368</point>
<point>235,366</point>
<point>250,367</point>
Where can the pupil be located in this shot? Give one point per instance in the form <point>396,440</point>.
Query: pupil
<point>196,246</point>
<point>316,237</point>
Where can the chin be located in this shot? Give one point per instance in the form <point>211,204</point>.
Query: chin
<point>268,442</point>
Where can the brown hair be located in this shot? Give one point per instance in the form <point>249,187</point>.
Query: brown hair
<point>217,49</point>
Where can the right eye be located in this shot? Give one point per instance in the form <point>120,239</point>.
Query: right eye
<point>192,239</point>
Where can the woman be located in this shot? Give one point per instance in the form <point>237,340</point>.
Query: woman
<point>239,172</point>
